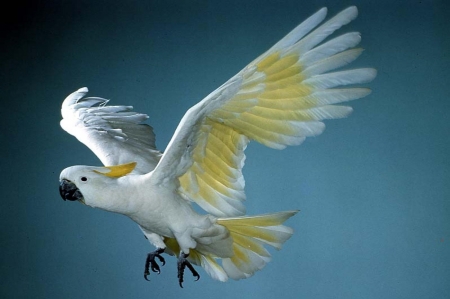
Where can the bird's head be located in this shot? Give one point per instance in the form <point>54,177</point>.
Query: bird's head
<point>89,184</point>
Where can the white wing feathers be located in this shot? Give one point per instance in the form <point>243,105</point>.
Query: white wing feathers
<point>114,133</point>
<point>278,100</point>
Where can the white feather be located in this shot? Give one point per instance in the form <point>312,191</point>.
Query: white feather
<point>301,30</point>
<point>348,77</point>
<point>319,34</point>
<point>330,48</point>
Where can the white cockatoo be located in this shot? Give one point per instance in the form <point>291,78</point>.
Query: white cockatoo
<point>277,100</point>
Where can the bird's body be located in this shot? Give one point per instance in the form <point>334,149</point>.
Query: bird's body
<point>169,221</point>
<point>182,222</point>
<point>158,209</point>
<point>277,100</point>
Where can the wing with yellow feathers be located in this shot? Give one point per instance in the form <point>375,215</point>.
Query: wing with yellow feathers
<point>278,100</point>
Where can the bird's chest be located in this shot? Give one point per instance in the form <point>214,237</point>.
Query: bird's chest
<point>163,212</point>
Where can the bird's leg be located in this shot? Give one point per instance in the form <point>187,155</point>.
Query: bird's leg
<point>150,261</point>
<point>182,264</point>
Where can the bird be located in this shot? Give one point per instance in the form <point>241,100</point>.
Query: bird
<point>277,100</point>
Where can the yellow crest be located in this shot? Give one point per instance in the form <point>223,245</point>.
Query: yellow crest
<point>118,171</point>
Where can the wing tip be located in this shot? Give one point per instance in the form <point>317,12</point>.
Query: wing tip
<point>352,10</point>
<point>83,89</point>
<point>74,97</point>
<point>323,10</point>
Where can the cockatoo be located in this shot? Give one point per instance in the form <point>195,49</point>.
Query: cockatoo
<point>279,99</point>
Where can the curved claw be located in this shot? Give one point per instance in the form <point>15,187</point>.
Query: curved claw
<point>150,262</point>
<point>182,264</point>
<point>161,259</point>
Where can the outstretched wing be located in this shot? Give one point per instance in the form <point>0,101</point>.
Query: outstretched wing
<point>277,100</point>
<point>114,133</point>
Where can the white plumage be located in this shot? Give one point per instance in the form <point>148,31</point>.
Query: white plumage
<point>278,100</point>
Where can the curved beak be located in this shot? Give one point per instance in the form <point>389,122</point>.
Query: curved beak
<point>69,191</point>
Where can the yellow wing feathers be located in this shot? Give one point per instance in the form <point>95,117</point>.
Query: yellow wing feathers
<point>215,181</point>
<point>282,98</point>
<point>277,106</point>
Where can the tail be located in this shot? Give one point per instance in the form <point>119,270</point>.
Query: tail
<point>249,234</point>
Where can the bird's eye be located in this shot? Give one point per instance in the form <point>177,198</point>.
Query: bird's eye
<point>83,179</point>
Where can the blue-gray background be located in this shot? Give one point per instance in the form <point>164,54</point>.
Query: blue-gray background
<point>373,190</point>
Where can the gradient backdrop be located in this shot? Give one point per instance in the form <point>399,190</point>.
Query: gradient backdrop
<point>373,190</point>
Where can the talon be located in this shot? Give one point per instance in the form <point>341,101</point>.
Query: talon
<point>150,262</point>
<point>182,264</point>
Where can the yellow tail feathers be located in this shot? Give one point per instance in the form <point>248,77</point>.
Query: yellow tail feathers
<point>250,234</point>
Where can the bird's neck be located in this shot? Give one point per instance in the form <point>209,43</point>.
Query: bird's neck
<point>117,198</point>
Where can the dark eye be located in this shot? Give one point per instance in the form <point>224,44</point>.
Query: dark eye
<point>83,179</point>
